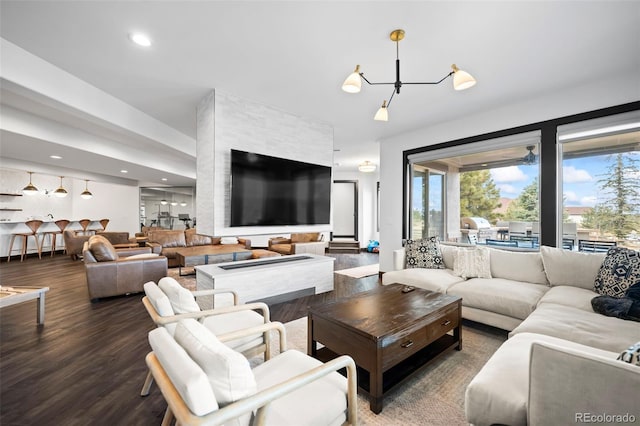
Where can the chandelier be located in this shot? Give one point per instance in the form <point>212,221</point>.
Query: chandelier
<point>461,79</point>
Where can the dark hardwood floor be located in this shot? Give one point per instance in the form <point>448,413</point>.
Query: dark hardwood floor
<point>85,365</point>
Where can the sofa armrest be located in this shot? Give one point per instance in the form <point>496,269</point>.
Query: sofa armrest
<point>279,240</point>
<point>568,386</point>
<point>246,242</point>
<point>155,247</point>
<point>398,259</point>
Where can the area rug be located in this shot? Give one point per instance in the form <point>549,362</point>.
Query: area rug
<point>360,271</point>
<point>186,281</point>
<point>435,396</point>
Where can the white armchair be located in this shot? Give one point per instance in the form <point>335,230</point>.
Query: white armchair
<point>206,382</point>
<point>169,302</point>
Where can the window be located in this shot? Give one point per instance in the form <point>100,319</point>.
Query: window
<point>471,193</point>
<point>600,169</point>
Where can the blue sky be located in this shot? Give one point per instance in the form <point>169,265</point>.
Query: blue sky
<point>580,180</point>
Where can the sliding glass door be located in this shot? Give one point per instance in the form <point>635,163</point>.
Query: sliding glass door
<point>427,205</point>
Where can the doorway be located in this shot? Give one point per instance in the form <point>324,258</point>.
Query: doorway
<point>345,209</point>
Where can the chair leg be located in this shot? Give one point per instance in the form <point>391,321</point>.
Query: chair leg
<point>168,417</point>
<point>38,245</point>
<point>25,241</point>
<point>13,237</point>
<point>146,388</point>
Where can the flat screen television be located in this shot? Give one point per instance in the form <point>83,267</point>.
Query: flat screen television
<point>271,191</point>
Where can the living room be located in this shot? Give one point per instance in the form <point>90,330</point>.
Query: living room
<point>106,106</point>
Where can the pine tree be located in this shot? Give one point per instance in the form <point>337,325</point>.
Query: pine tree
<point>526,206</point>
<point>621,188</point>
<point>479,196</point>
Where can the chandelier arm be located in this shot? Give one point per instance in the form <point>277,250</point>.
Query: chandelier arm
<point>373,84</point>
<point>433,82</point>
<point>391,98</point>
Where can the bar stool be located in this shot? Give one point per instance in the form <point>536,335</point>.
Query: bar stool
<point>104,223</point>
<point>84,223</point>
<point>33,225</point>
<point>62,224</point>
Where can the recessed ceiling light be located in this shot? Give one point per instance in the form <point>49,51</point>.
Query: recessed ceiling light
<point>140,39</point>
<point>164,179</point>
<point>55,157</point>
<point>124,171</point>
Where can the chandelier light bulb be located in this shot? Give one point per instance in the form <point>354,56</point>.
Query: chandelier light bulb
<point>461,79</point>
<point>383,113</point>
<point>353,82</point>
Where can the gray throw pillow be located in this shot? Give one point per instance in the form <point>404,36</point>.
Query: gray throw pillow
<point>424,253</point>
<point>619,271</point>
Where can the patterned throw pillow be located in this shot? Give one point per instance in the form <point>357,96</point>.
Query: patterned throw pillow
<point>631,355</point>
<point>423,253</point>
<point>619,271</point>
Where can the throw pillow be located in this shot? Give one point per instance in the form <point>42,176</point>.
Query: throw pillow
<point>472,262</point>
<point>102,249</point>
<point>228,371</point>
<point>619,271</point>
<point>424,253</point>
<point>631,355</point>
<point>182,301</point>
<point>228,240</point>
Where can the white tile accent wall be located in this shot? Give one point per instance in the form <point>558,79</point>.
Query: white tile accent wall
<point>228,122</point>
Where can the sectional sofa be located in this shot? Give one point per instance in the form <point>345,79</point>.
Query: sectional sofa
<point>559,364</point>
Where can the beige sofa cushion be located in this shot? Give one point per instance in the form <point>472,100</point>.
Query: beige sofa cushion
<point>102,249</point>
<point>577,325</point>
<point>511,298</point>
<point>564,267</point>
<point>518,266</point>
<point>429,279</point>
<point>498,394</point>
<point>569,296</point>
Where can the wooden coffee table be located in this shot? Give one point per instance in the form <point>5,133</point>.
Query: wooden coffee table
<point>203,255</point>
<point>390,334</point>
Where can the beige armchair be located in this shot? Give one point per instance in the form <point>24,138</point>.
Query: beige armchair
<point>308,242</point>
<point>169,302</point>
<point>206,382</point>
<point>112,272</point>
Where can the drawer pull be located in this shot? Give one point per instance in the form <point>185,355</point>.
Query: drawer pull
<point>447,322</point>
<point>407,344</point>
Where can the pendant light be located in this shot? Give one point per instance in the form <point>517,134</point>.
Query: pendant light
<point>60,192</point>
<point>86,194</point>
<point>30,189</point>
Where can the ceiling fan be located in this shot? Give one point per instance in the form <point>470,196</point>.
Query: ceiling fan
<point>530,158</point>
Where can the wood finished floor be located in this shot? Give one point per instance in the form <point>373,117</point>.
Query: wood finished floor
<point>85,365</point>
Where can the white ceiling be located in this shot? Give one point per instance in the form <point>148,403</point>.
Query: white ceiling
<point>294,56</point>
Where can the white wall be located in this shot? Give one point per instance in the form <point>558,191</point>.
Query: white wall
<point>118,203</point>
<point>367,209</point>
<point>568,101</point>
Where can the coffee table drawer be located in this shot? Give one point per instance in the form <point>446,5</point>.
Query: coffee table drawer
<point>400,346</point>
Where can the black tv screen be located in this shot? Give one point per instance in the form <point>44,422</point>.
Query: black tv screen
<point>270,191</point>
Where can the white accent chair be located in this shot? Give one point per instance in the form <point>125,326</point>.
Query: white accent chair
<point>206,382</point>
<point>169,302</point>
<point>518,229</point>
